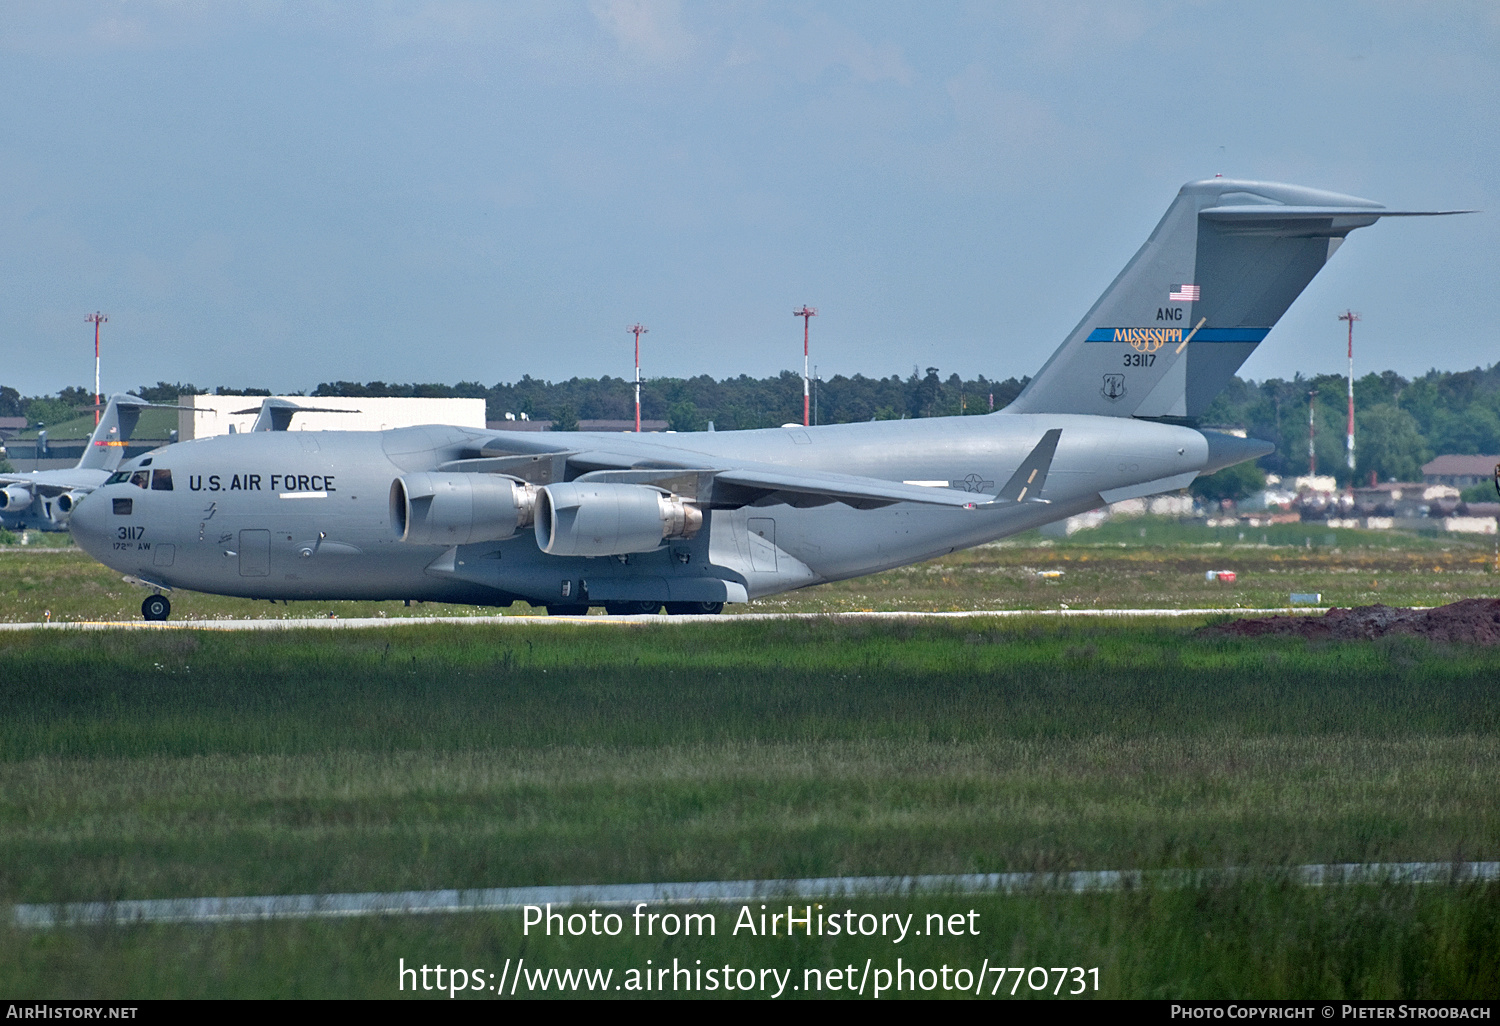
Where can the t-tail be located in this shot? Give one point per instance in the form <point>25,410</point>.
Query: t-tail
<point>1220,269</point>
<point>116,424</point>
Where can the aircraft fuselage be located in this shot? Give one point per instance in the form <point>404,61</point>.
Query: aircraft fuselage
<point>307,515</point>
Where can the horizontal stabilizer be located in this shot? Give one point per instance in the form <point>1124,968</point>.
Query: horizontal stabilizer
<point>1274,212</point>
<point>277,414</point>
<point>135,403</point>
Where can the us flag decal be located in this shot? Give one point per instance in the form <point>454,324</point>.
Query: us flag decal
<point>1184,294</point>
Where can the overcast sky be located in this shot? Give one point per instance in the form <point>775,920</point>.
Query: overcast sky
<point>276,194</point>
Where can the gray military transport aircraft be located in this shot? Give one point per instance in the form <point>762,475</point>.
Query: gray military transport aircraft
<point>693,520</point>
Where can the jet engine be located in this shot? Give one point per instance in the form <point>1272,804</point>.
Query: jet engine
<point>457,509</point>
<point>15,497</point>
<point>67,502</point>
<point>582,519</point>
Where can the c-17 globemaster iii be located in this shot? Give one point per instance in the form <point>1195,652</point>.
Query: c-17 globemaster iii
<point>690,521</point>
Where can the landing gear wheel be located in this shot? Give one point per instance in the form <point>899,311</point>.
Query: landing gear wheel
<point>642,608</point>
<point>567,610</point>
<point>694,608</point>
<point>156,607</point>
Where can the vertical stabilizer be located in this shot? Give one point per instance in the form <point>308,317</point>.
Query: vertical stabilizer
<point>1220,269</point>
<point>116,424</point>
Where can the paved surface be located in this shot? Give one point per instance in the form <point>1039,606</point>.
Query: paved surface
<point>475,621</point>
<point>497,899</point>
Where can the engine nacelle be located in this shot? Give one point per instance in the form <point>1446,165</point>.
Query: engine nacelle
<point>67,502</point>
<point>14,498</point>
<point>458,509</point>
<point>582,519</point>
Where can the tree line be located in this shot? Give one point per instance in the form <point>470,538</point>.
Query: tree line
<point>1399,424</point>
<point>686,404</point>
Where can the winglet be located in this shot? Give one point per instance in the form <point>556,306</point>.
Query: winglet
<point>1026,483</point>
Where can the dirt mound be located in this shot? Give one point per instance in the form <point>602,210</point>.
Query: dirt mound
<point>1476,621</point>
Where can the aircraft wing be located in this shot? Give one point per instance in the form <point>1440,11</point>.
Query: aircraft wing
<point>52,483</point>
<point>705,479</point>
<point>771,485</point>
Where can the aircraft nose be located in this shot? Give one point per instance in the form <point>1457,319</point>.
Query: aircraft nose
<point>89,524</point>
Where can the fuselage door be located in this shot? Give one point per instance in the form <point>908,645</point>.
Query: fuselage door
<point>255,553</point>
<point>762,544</point>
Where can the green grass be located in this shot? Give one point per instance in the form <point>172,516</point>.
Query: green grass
<point>152,424</point>
<point>1159,532</point>
<point>1164,570</point>
<point>188,763</point>
<point>181,764</point>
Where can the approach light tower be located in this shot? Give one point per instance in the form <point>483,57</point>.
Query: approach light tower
<point>1351,317</point>
<point>96,319</point>
<point>638,330</point>
<point>807,313</point>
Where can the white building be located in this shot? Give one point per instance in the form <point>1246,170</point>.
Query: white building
<point>225,414</point>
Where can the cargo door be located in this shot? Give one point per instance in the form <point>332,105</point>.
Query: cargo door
<point>762,544</point>
<point>255,553</point>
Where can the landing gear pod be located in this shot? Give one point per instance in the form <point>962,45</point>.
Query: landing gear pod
<point>610,519</point>
<point>459,509</point>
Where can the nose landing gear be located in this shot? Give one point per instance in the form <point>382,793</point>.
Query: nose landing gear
<point>156,607</point>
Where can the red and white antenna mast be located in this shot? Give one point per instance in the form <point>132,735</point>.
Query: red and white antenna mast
<point>806,313</point>
<point>638,330</point>
<point>96,319</point>
<point>1351,317</point>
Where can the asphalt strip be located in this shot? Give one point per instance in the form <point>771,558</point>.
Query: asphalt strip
<point>500,899</point>
<point>329,623</point>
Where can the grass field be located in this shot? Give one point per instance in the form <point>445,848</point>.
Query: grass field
<point>152,424</point>
<point>186,764</point>
<point>1143,562</point>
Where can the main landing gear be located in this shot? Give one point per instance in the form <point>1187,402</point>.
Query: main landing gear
<point>642,608</point>
<point>558,610</point>
<point>156,607</point>
<point>694,608</point>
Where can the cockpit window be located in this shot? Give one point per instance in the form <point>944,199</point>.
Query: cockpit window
<point>146,462</point>
<point>161,480</point>
<point>118,476</point>
<point>141,479</point>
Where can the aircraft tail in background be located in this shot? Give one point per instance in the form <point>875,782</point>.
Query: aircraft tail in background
<point>116,425</point>
<point>1224,264</point>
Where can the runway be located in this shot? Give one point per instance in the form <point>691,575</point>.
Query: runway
<point>355,623</point>
<point>502,899</point>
